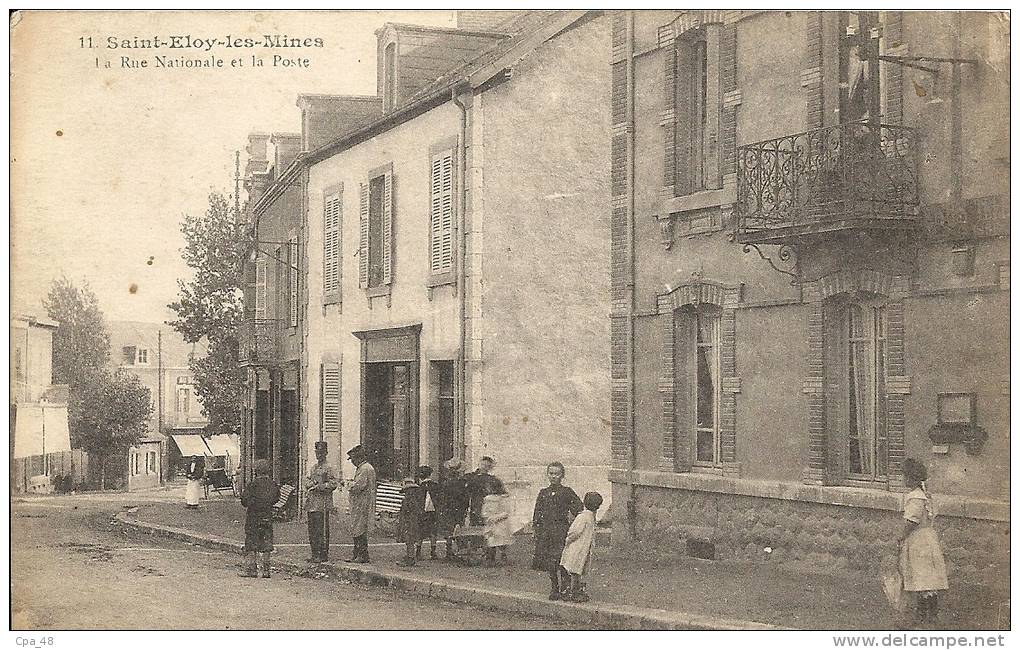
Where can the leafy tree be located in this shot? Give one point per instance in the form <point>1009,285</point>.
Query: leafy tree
<point>113,412</point>
<point>211,307</point>
<point>81,344</point>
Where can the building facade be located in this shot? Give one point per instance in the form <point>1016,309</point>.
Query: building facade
<point>270,345</point>
<point>810,282</point>
<point>159,357</point>
<point>420,341</point>
<point>39,441</point>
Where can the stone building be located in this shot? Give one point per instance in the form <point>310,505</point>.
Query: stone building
<point>810,282</point>
<point>420,341</point>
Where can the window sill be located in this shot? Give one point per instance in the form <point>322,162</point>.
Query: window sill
<point>699,200</point>
<point>440,279</point>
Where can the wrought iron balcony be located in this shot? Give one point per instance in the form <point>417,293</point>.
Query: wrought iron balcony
<point>857,175</point>
<point>257,341</point>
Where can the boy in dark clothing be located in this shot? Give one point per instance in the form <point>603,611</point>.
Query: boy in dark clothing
<point>428,523</point>
<point>258,499</point>
<point>411,509</point>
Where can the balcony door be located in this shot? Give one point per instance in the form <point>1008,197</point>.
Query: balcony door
<point>860,84</point>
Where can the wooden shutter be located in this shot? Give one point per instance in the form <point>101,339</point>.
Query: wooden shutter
<point>329,390</point>
<point>363,243</point>
<point>294,277</point>
<point>684,115</point>
<point>332,225</point>
<point>441,218</point>
<point>260,289</point>
<point>387,229</point>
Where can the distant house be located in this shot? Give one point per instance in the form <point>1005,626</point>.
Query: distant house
<point>159,357</point>
<point>40,441</point>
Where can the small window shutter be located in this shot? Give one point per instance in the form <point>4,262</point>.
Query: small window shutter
<point>332,217</point>
<point>292,273</point>
<point>684,111</point>
<point>441,223</point>
<point>363,244</point>
<point>329,425</point>
<point>387,230</point>
<point>260,290</point>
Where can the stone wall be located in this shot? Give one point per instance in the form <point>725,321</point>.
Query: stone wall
<point>814,536</point>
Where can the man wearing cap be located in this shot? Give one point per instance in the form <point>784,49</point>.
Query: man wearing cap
<point>362,496</point>
<point>322,480</point>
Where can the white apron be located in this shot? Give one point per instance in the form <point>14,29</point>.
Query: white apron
<point>580,539</point>
<point>193,492</point>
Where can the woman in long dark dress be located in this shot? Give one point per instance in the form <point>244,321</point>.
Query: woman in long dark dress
<point>453,504</point>
<point>555,508</point>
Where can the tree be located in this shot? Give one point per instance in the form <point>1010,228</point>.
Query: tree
<point>211,307</point>
<point>81,344</point>
<point>113,412</point>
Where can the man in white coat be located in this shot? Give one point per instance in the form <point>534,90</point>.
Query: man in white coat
<point>362,497</point>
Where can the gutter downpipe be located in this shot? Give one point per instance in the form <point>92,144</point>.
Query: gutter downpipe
<point>631,87</point>
<point>461,268</point>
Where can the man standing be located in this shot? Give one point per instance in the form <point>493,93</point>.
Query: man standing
<point>481,483</point>
<point>362,496</point>
<point>322,480</point>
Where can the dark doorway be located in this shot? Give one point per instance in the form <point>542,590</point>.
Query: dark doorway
<point>262,425</point>
<point>390,435</point>
<point>289,415</point>
<point>442,411</point>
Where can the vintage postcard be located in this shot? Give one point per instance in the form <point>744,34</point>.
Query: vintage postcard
<point>511,319</point>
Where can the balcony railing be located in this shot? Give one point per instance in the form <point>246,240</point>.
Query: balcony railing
<point>257,341</point>
<point>852,175</point>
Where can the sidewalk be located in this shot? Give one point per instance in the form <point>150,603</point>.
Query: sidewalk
<point>626,592</point>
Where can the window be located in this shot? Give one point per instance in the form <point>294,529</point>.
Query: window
<point>142,357</point>
<point>19,371</point>
<point>694,104</point>
<point>150,462</point>
<point>293,276</point>
<point>134,463</point>
<point>860,96</point>
<point>260,289</point>
<point>443,415</point>
<point>697,383</point>
<point>329,401</point>
<point>183,400</point>
<point>375,264</point>
<point>865,391</point>
<point>332,228</point>
<point>441,209</point>
<point>857,361</point>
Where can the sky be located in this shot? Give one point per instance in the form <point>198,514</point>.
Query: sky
<point>106,161</point>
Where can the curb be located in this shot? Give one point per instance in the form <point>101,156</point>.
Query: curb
<point>596,616</point>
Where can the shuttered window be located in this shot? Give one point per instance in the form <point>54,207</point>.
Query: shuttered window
<point>332,224</point>
<point>375,255</point>
<point>293,276</point>
<point>260,289</point>
<point>329,387</point>
<point>441,213</point>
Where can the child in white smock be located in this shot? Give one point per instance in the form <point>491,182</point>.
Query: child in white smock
<point>577,552</point>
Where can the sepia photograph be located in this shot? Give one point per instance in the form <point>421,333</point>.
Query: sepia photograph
<point>511,319</point>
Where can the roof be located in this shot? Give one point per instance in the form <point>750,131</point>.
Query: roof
<point>175,350</point>
<point>533,29</point>
<point>33,320</point>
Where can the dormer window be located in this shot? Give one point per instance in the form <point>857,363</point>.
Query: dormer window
<point>142,357</point>
<point>389,76</point>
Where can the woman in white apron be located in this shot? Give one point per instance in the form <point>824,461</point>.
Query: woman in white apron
<point>192,494</point>
<point>921,563</point>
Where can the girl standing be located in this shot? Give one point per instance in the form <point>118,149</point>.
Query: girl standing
<point>920,556</point>
<point>555,509</point>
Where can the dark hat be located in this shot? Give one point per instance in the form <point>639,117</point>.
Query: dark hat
<point>321,445</point>
<point>356,450</point>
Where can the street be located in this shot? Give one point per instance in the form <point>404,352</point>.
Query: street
<point>71,568</point>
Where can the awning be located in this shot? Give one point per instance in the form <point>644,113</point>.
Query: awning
<point>191,446</point>
<point>223,445</point>
<point>40,431</point>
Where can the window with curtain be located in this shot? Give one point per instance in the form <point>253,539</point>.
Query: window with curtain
<point>865,391</point>
<point>698,368</point>
<point>693,102</point>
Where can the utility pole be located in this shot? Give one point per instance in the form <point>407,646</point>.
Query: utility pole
<point>159,379</point>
